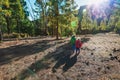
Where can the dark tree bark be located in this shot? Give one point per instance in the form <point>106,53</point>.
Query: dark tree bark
<point>18,26</point>
<point>1,37</point>
<point>57,24</point>
<point>8,25</point>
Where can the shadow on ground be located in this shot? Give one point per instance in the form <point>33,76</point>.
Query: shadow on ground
<point>61,56</point>
<point>20,51</point>
<point>67,61</point>
<point>43,63</point>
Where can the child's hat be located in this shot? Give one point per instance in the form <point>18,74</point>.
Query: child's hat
<point>78,38</point>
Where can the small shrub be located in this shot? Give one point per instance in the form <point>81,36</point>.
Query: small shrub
<point>22,35</point>
<point>5,36</point>
<point>14,35</point>
<point>117,28</point>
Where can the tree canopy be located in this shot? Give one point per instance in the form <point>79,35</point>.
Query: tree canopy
<point>56,18</point>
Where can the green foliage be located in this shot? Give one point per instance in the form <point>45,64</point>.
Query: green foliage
<point>73,23</point>
<point>107,23</point>
<point>57,17</point>
<point>27,27</point>
<point>24,35</point>
<point>117,28</point>
<point>53,13</point>
<point>12,35</point>
<point>86,22</point>
<point>68,32</point>
<point>15,35</point>
<point>103,26</point>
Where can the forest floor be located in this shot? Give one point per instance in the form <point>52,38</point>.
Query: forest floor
<point>50,59</point>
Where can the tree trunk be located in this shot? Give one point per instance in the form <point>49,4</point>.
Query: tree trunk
<point>57,37</point>
<point>8,25</point>
<point>45,22</point>
<point>52,29</point>
<point>18,27</point>
<point>57,25</point>
<point>1,37</point>
<point>79,27</point>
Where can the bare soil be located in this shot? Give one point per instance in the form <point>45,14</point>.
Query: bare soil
<point>50,59</point>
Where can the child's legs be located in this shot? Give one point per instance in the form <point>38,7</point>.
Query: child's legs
<point>73,48</point>
<point>77,50</point>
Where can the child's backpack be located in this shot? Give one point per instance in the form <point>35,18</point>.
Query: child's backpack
<point>78,44</point>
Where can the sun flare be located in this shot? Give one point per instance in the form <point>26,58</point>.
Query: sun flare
<point>96,2</point>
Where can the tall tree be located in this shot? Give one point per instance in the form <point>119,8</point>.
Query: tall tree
<point>62,7</point>
<point>17,13</point>
<point>43,4</point>
<point>51,10</point>
<point>6,13</point>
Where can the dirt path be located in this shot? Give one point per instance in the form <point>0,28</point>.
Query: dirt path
<point>49,59</point>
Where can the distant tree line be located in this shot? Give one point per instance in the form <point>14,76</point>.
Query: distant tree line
<point>102,18</point>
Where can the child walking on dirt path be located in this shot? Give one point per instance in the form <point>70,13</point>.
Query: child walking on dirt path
<point>78,45</point>
<point>72,42</point>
